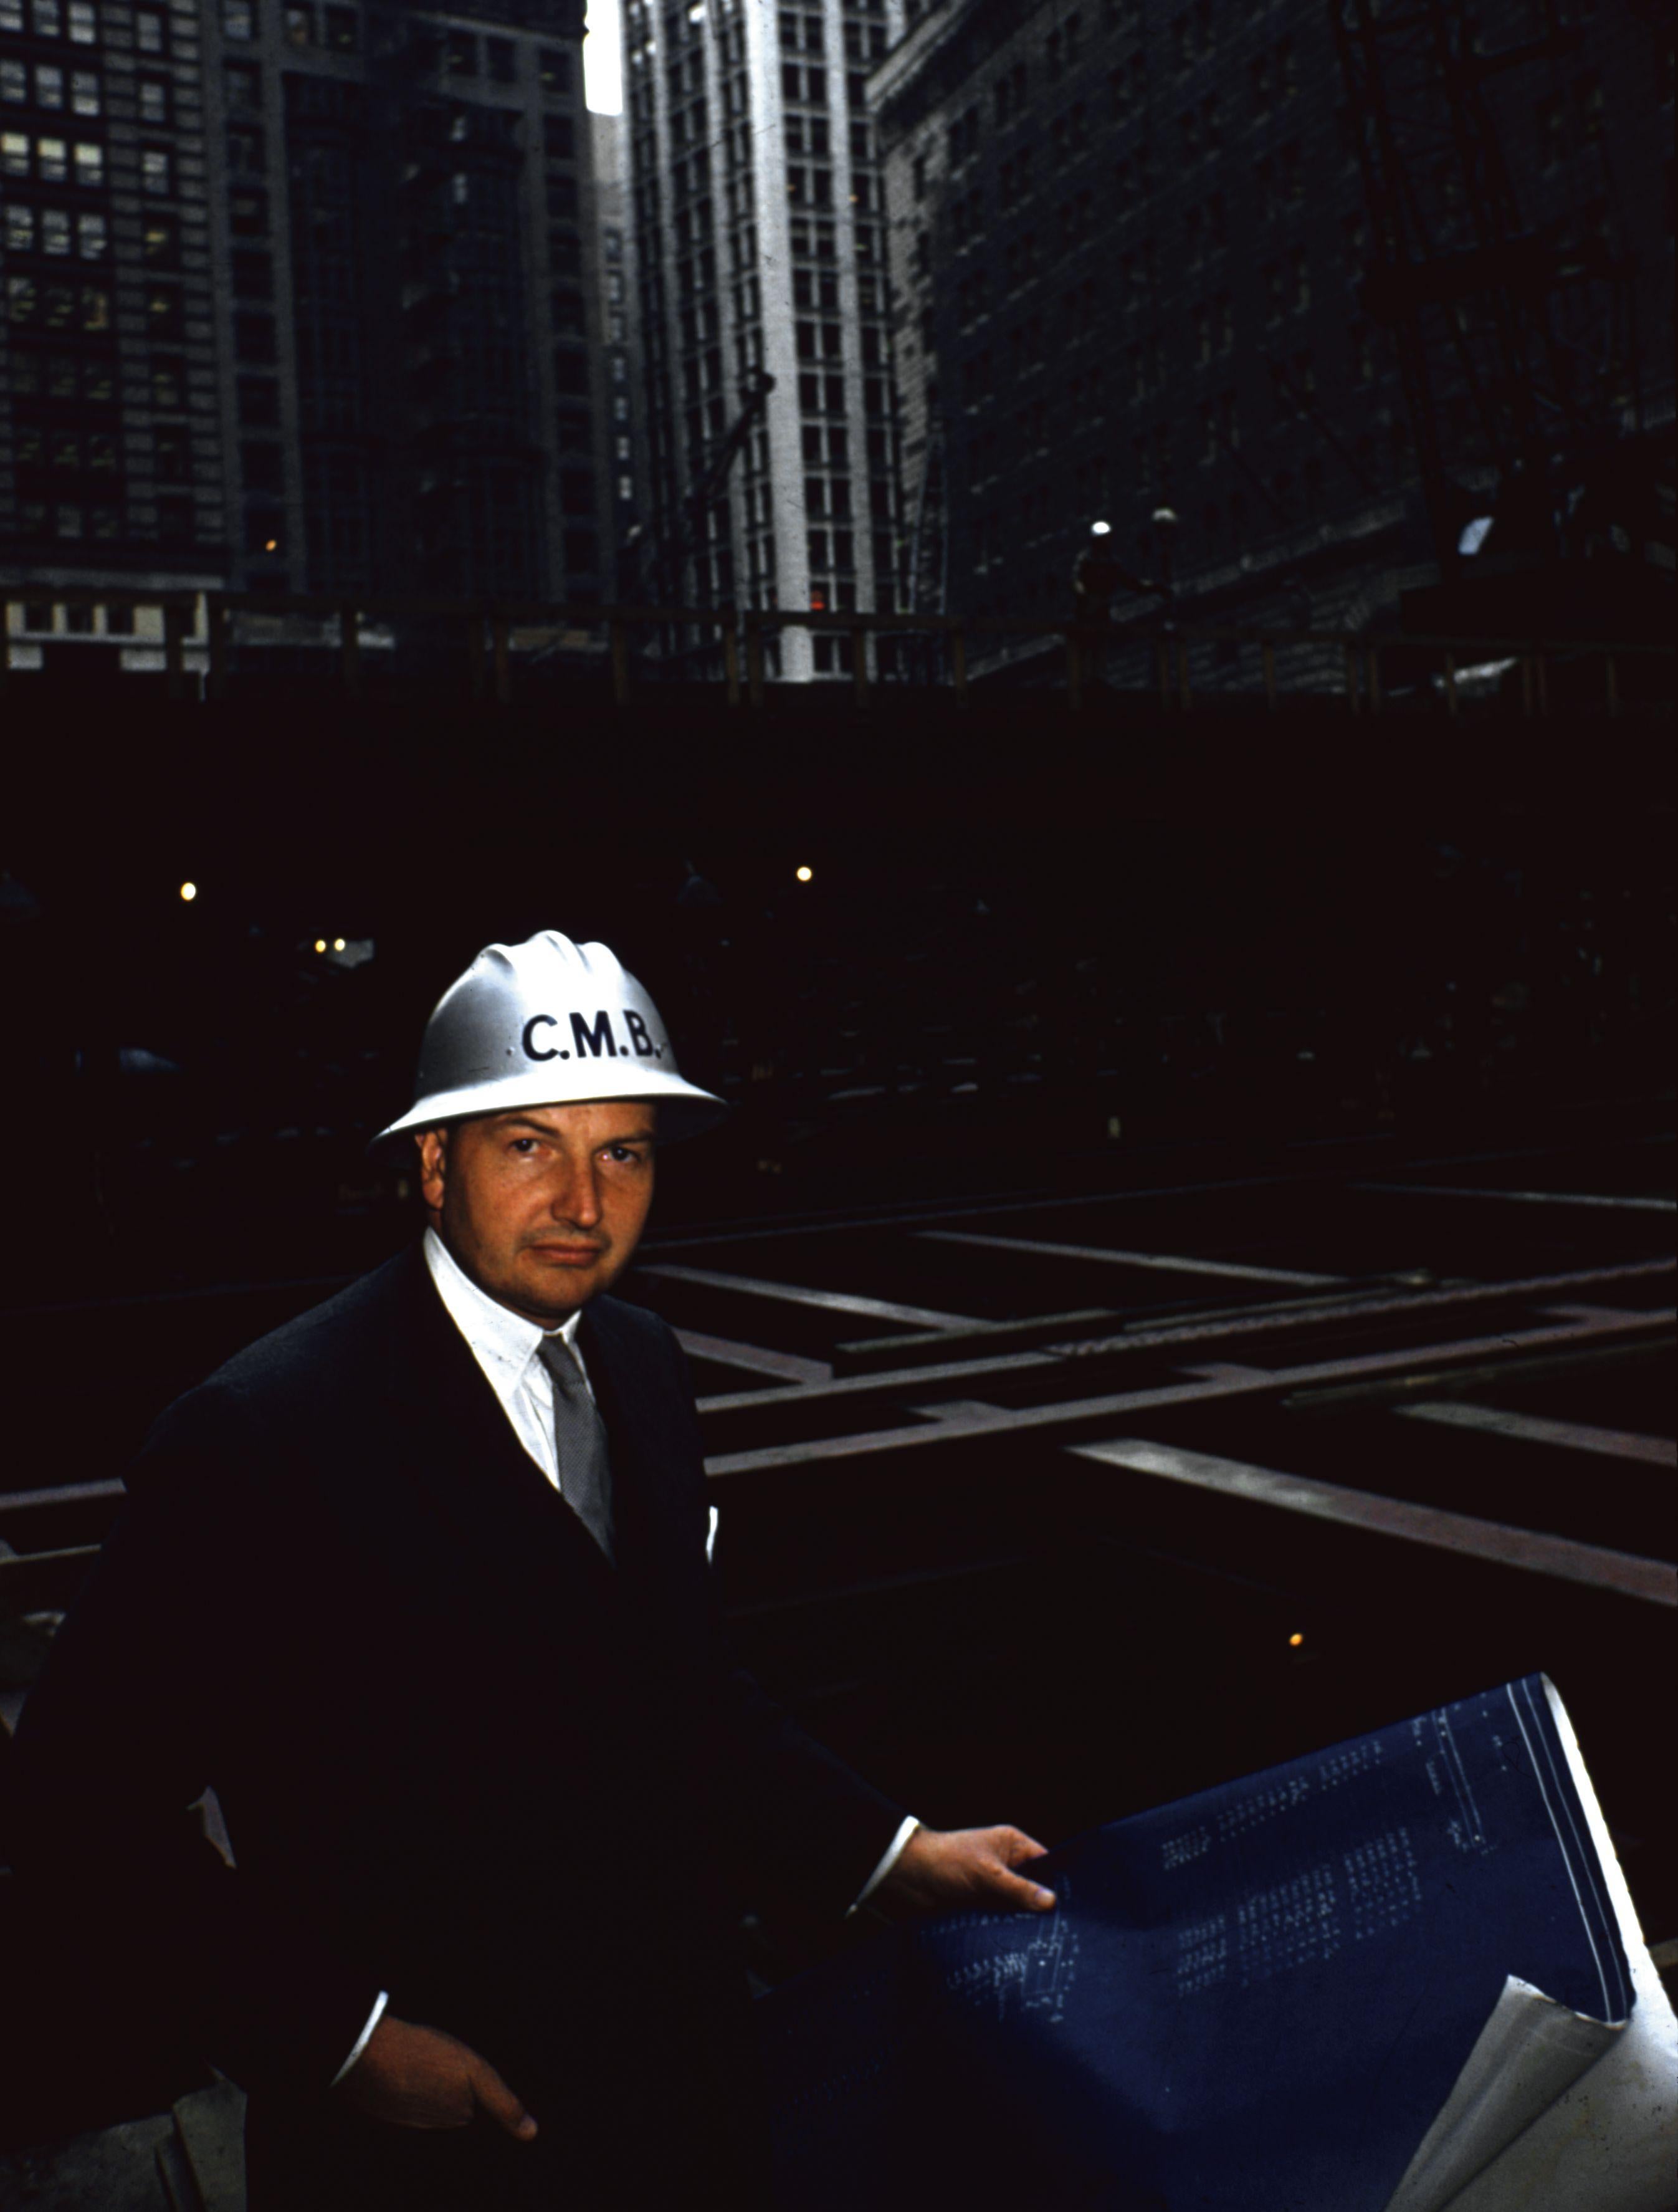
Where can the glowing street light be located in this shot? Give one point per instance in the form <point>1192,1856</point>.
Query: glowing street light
<point>189,892</point>
<point>805,875</point>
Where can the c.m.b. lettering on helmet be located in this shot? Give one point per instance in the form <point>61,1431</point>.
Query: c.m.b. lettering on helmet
<point>599,1039</point>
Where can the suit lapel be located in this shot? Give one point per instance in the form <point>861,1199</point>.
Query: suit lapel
<point>463,1454</point>
<point>660,1550</point>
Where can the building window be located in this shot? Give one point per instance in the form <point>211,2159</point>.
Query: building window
<point>151,30</point>
<point>261,467</point>
<point>154,103</point>
<point>239,18</point>
<point>247,213</point>
<point>156,171</point>
<point>253,337</point>
<point>258,403</point>
<point>253,275</point>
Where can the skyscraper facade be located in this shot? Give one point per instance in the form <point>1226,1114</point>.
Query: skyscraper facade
<point>761,252</point>
<point>1137,256</point>
<point>619,445</point>
<point>301,297</point>
<point>407,395</point>
<point>111,464</point>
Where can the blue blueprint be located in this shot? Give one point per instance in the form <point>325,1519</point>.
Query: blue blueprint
<point>1254,2001</point>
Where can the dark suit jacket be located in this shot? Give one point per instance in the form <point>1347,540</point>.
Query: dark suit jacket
<point>461,1758</point>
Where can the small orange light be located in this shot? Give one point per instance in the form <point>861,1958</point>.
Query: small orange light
<point>320,944</point>
<point>1296,1639</point>
<point>189,892</point>
<point>272,546</point>
<point>804,875</point>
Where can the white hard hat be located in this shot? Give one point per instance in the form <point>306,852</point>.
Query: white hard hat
<point>548,1023</point>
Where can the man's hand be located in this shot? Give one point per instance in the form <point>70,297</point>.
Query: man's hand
<point>946,1870</point>
<point>418,2077</point>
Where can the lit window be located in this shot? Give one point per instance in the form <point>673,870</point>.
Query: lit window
<point>48,88</point>
<point>52,161</point>
<point>150,35</point>
<point>89,166</point>
<point>83,23</point>
<point>154,102</point>
<point>154,170</point>
<point>48,18</point>
<point>14,154</point>
<point>84,93</point>
<point>19,232</point>
<point>14,83</point>
<point>55,231</point>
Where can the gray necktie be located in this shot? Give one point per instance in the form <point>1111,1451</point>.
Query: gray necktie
<point>579,1436</point>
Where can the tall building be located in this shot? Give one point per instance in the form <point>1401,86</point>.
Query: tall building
<point>112,460</point>
<point>399,247</point>
<point>760,245</point>
<point>1132,252</point>
<point>618,443</point>
<point>302,298</point>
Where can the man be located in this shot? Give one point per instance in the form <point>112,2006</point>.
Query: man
<point>419,1585</point>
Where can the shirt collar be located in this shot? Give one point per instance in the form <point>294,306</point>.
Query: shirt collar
<point>494,1332</point>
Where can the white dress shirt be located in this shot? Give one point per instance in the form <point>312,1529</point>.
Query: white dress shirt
<point>504,1344</point>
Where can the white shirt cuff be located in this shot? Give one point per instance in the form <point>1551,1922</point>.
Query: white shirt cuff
<point>366,2036</point>
<point>894,1852</point>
